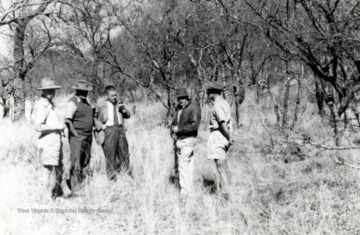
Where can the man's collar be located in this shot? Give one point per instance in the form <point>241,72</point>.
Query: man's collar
<point>46,102</point>
<point>108,101</point>
<point>80,97</point>
<point>189,102</point>
<point>186,105</point>
<point>217,98</point>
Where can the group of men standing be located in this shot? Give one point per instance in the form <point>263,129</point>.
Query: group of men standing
<point>107,119</point>
<point>184,130</point>
<point>107,122</point>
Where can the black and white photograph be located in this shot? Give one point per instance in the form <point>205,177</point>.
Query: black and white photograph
<point>180,117</point>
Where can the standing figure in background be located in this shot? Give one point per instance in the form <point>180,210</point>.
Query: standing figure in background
<point>28,110</point>
<point>79,120</point>
<point>110,133</point>
<point>219,139</point>
<point>184,130</point>
<point>50,144</point>
<point>2,108</point>
<point>10,104</point>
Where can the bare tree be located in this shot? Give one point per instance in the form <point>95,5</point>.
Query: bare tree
<point>323,34</point>
<point>18,17</point>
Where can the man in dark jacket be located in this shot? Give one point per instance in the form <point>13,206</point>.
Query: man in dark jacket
<point>184,131</point>
<point>110,133</point>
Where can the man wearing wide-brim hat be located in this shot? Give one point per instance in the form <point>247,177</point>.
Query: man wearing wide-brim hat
<point>79,120</point>
<point>219,138</point>
<point>184,130</point>
<point>49,145</point>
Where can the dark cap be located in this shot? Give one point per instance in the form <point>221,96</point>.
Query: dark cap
<point>214,86</point>
<point>182,92</point>
<point>82,85</point>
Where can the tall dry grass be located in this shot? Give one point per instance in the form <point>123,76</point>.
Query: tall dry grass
<point>312,195</point>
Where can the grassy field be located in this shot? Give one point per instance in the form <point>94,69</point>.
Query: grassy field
<point>274,191</point>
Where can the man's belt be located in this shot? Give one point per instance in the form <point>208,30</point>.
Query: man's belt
<point>115,126</point>
<point>217,128</point>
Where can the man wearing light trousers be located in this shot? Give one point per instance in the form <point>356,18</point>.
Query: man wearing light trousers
<point>184,131</point>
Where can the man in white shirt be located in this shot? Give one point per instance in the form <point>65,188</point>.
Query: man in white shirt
<point>49,147</point>
<point>110,133</point>
<point>219,139</point>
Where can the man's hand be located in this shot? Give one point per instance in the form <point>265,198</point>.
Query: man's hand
<point>103,127</point>
<point>231,142</point>
<point>60,126</point>
<point>224,129</point>
<point>71,128</point>
<point>175,129</point>
<point>121,106</point>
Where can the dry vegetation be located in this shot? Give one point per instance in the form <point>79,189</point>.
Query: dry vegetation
<point>273,192</point>
<point>298,51</point>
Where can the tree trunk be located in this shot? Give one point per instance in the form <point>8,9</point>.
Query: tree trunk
<point>131,96</point>
<point>333,117</point>
<point>345,121</point>
<point>319,95</point>
<point>17,89</point>
<point>169,103</point>
<point>286,102</point>
<point>298,99</point>
<point>18,85</point>
<point>239,95</point>
<point>237,114</point>
<point>276,106</point>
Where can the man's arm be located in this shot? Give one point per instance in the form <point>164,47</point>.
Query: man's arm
<point>71,127</point>
<point>69,115</point>
<point>221,118</point>
<point>40,120</point>
<point>125,112</point>
<point>97,123</point>
<point>225,130</point>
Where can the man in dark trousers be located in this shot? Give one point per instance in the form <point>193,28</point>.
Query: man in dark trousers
<point>110,133</point>
<point>184,131</point>
<point>79,120</point>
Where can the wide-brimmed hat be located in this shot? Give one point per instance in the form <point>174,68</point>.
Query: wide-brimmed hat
<point>48,84</point>
<point>182,92</point>
<point>82,85</point>
<point>214,86</point>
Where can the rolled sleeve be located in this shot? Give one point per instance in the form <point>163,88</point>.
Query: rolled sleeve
<point>70,110</point>
<point>40,119</point>
<point>220,113</point>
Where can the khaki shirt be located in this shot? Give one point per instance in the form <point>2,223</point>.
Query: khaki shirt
<point>220,112</point>
<point>47,122</point>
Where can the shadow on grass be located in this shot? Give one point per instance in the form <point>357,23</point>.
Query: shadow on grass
<point>174,179</point>
<point>210,185</point>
